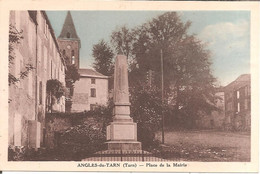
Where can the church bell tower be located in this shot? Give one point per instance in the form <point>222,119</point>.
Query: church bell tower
<point>69,42</point>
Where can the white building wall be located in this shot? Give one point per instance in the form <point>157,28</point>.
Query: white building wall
<point>82,99</point>
<point>22,94</point>
<point>23,105</point>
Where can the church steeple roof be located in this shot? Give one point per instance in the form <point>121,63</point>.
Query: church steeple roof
<point>68,30</point>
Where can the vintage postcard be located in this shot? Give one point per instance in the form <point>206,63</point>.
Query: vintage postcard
<point>129,86</point>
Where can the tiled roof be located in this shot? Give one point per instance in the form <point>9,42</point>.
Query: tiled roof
<point>90,72</point>
<point>243,77</point>
<point>240,81</point>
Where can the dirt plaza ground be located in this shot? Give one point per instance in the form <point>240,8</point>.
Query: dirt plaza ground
<point>208,145</point>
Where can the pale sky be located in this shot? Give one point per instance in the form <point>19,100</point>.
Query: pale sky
<point>226,33</point>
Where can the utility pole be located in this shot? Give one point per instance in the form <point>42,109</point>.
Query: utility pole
<point>162,97</point>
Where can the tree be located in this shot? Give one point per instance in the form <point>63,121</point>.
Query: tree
<point>103,114</point>
<point>15,37</point>
<point>146,109</point>
<point>122,40</point>
<point>189,84</point>
<point>71,75</point>
<point>103,55</point>
<point>55,90</point>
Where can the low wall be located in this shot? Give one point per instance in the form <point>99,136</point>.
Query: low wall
<point>57,123</point>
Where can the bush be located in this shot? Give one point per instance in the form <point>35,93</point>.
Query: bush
<point>146,135</point>
<point>146,109</point>
<point>54,87</point>
<point>20,153</point>
<point>103,114</point>
<point>81,140</point>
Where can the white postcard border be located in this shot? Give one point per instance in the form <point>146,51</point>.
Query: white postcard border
<point>5,6</point>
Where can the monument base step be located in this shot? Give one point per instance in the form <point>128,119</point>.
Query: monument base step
<point>124,145</point>
<point>127,152</point>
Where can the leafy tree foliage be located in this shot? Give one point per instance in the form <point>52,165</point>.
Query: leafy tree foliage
<point>103,55</point>
<point>15,37</point>
<point>55,87</point>
<point>103,114</point>
<point>188,82</point>
<point>122,41</point>
<point>146,109</point>
<point>55,90</point>
<point>71,75</point>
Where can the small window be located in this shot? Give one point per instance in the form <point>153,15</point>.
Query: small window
<point>93,92</point>
<point>72,53</point>
<point>237,94</point>
<point>246,104</point>
<point>68,35</point>
<point>247,91</point>
<point>93,81</point>
<point>238,107</point>
<point>51,69</point>
<point>229,106</point>
<point>63,52</point>
<point>40,93</point>
<point>73,60</point>
<point>46,28</point>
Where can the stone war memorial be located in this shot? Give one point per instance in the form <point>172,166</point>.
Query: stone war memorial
<point>122,132</point>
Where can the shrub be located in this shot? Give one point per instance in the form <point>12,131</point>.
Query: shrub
<point>20,153</point>
<point>81,140</point>
<point>103,114</point>
<point>54,87</point>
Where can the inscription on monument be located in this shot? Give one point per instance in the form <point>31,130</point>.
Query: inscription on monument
<point>125,132</point>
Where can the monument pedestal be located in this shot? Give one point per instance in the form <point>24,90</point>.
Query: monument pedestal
<point>123,136</point>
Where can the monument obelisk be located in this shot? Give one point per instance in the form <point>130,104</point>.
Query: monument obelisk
<point>122,132</point>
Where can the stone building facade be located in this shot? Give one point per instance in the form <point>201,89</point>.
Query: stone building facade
<point>27,105</point>
<point>238,103</point>
<point>234,102</point>
<point>91,90</point>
